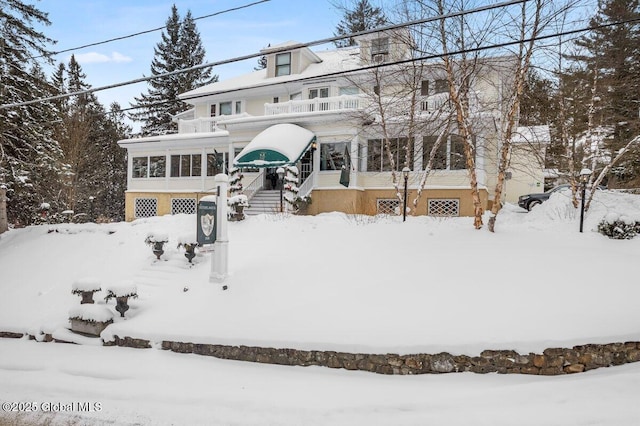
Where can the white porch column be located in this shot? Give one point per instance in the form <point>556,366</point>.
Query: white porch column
<point>220,256</point>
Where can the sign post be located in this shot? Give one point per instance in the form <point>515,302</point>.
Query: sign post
<point>220,256</point>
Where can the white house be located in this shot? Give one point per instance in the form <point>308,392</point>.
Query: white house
<point>325,112</point>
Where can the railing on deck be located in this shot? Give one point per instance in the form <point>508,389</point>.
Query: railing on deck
<point>254,186</point>
<point>198,125</point>
<point>335,103</point>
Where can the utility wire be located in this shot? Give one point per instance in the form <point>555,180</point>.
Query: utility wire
<point>274,50</point>
<point>400,62</point>
<point>233,9</point>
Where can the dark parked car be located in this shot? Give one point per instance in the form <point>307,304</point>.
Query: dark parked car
<point>528,201</point>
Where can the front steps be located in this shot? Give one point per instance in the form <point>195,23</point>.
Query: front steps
<point>264,202</point>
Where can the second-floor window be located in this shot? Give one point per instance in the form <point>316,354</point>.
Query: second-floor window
<point>441,86</point>
<point>283,64</point>
<point>225,108</point>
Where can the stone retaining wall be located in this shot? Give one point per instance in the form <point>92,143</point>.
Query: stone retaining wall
<point>553,361</point>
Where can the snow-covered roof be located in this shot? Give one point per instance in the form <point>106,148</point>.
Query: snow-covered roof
<point>331,61</point>
<point>531,134</point>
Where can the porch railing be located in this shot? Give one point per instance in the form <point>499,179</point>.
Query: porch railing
<point>307,186</point>
<point>254,186</point>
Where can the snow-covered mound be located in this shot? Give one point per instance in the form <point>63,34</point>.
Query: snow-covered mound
<point>343,282</point>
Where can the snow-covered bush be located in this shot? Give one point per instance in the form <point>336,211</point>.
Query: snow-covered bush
<point>619,227</point>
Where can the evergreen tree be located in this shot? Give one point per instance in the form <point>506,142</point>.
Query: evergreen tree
<point>262,61</point>
<point>180,48</point>
<point>29,155</point>
<point>361,16</point>
<point>95,178</point>
<point>613,57</point>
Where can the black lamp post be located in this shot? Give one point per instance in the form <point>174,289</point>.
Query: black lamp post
<point>584,177</point>
<point>405,173</point>
<point>280,173</point>
<point>91,200</point>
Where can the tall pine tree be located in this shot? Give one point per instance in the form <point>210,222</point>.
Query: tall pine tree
<point>29,155</point>
<point>95,180</point>
<point>360,15</point>
<point>180,48</point>
<point>613,57</point>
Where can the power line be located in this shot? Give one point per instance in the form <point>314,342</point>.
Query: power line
<point>276,50</point>
<point>400,62</point>
<point>233,9</point>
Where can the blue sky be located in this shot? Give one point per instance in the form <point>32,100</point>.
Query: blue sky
<point>237,33</point>
<point>246,31</point>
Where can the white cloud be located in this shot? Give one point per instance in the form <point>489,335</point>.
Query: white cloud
<point>94,57</point>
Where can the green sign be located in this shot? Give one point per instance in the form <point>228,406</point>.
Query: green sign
<point>206,222</point>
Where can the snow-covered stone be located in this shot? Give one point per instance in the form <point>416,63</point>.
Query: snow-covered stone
<point>88,312</point>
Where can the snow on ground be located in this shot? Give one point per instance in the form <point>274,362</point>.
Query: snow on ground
<point>332,281</point>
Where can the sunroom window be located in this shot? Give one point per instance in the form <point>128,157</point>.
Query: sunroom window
<point>449,156</point>
<point>378,159</point>
<point>186,165</point>
<point>335,155</point>
<point>149,167</point>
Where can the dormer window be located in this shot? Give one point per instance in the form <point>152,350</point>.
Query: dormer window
<point>283,64</point>
<point>379,49</point>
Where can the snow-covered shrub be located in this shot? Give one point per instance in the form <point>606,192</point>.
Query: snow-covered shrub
<point>619,227</point>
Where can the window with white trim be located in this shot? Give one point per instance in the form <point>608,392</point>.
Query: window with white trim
<point>378,159</point>
<point>185,165</point>
<point>449,155</point>
<point>283,64</point>
<point>379,46</point>
<point>216,163</point>
<point>154,166</point>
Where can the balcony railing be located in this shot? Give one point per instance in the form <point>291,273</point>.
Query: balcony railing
<point>337,103</point>
<point>199,125</point>
<point>426,104</point>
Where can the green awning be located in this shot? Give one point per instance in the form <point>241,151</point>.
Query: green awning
<point>278,145</point>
